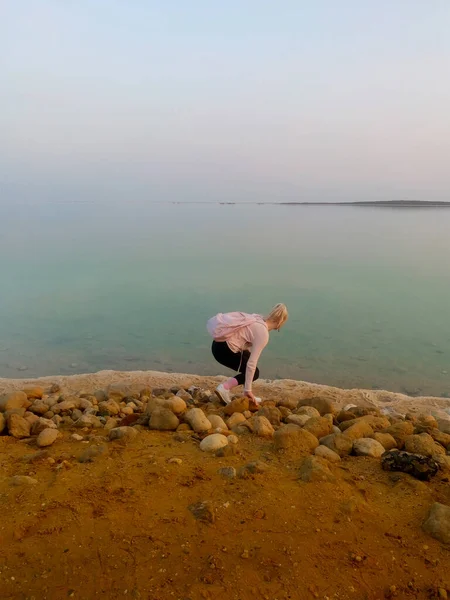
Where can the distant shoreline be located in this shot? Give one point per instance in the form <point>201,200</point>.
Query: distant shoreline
<point>363,204</point>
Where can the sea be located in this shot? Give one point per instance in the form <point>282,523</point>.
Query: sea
<point>87,286</point>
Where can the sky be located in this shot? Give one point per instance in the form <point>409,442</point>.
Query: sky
<point>243,100</point>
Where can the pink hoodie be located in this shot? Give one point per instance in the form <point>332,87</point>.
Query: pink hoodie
<point>241,331</point>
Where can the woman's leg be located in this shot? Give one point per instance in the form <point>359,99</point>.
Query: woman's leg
<point>233,360</point>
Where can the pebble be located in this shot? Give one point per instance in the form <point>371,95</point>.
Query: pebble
<point>89,454</point>
<point>227,472</point>
<point>76,437</point>
<point>175,461</point>
<point>125,434</point>
<point>202,511</point>
<point>233,439</point>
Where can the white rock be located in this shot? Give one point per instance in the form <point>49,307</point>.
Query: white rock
<point>47,437</point>
<point>213,442</point>
<point>299,420</point>
<point>368,447</point>
<point>76,437</point>
<point>327,454</point>
<point>233,439</point>
<point>198,420</point>
<point>235,419</point>
<point>217,422</point>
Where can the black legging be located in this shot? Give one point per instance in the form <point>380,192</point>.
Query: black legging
<point>226,357</point>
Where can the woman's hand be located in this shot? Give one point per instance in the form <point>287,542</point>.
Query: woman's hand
<point>251,397</point>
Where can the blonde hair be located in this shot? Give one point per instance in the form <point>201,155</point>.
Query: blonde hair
<point>278,315</point>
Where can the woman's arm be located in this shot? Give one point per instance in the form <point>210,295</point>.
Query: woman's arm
<point>260,340</point>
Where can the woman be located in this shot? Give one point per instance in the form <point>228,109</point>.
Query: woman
<point>239,339</point>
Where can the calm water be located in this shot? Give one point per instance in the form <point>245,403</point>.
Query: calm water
<point>97,286</point>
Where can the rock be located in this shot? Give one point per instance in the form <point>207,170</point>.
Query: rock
<point>175,404</point>
<point>202,511</point>
<point>163,419</point>
<point>184,427</point>
<point>426,421</point>
<point>420,467</point>
<point>377,423</point>
<point>235,419</point>
<point>76,414</point>
<point>90,453</point>
<point>442,461</point>
<point>256,467</point>
<point>288,402</point>
<point>422,444</point>
<point>2,422</point>
<point>40,424</point>
<point>271,413</point>
<point>318,426</point>
<point>327,454</point>
<point>437,523</point>
<point>119,391</point>
<point>84,404</point>
<point>175,461</point>
<point>213,442</point>
<point>109,408</point>
<point>284,412</point>
<point>400,431</point>
<point>299,420</point>
<point>14,400</point>
<point>315,469</point>
<point>153,404</point>
<point>15,411</point>
<point>227,451</point>
<point>440,437</point>
<point>385,439</point>
<point>66,406</point>
<point>47,437</point>
<point>184,395</point>
<point>197,420</point>
<point>261,427</point>
<point>308,411</point>
<point>55,388</point>
<point>33,392</point>
<point>368,447</point>
<point>18,427</point>
<point>19,480</point>
<point>217,422</point>
<point>124,434</point>
<point>361,429</point>
<point>57,420</point>
<point>294,439</point>
<point>76,437</point>
<point>443,425</point>
<point>233,439</point>
<point>227,472</point>
<point>345,415</point>
<point>323,405</point>
<point>239,405</point>
<point>339,443</point>
<point>89,421</point>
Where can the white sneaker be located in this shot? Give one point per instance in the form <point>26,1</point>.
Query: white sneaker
<point>223,394</point>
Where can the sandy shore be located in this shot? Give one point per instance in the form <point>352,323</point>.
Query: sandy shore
<point>388,401</point>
